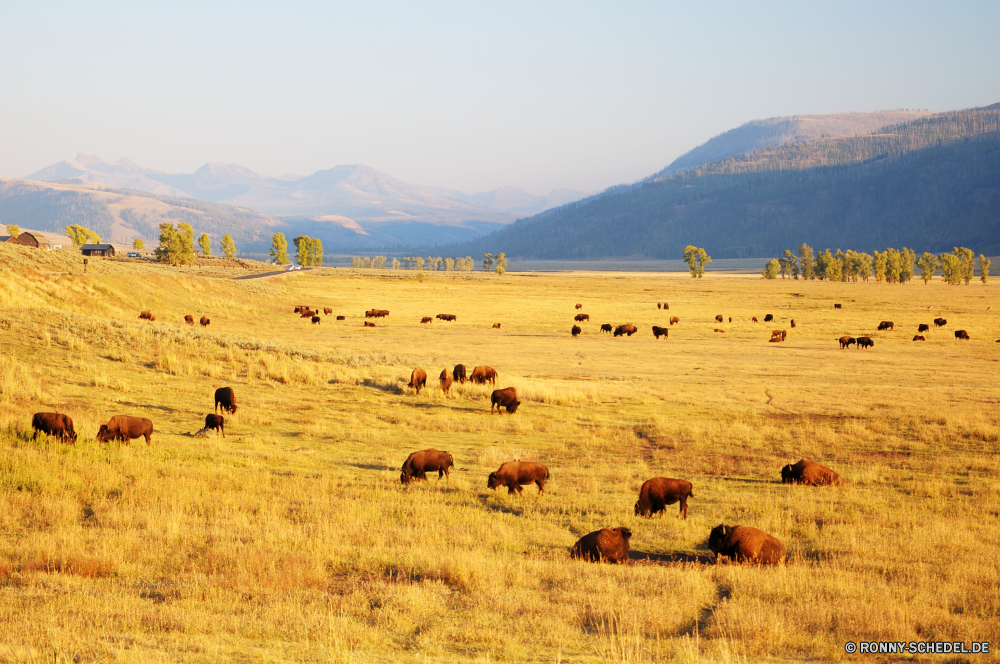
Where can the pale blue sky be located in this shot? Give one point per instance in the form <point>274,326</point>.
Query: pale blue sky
<point>466,95</point>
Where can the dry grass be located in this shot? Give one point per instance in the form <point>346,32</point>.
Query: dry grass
<point>292,540</point>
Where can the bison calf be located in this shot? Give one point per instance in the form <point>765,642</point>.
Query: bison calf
<point>515,474</point>
<point>56,425</point>
<point>126,428</point>
<point>607,544</point>
<point>217,422</point>
<point>327,311</point>
<point>496,326</point>
<point>746,545</point>
<point>506,398</point>
<point>659,492</point>
<point>418,379</point>
<point>418,464</point>
<point>809,473</point>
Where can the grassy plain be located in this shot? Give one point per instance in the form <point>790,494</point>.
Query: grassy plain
<point>292,539</point>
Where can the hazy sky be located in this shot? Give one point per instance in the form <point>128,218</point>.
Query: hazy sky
<point>469,95</point>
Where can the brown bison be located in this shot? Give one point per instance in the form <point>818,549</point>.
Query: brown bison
<point>809,473</point>
<point>450,317</point>
<point>660,331</point>
<point>306,313</point>
<point>659,492</point>
<point>189,319</point>
<point>126,428</point>
<point>659,306</point>
<point>496,326</point>
<point>793,322</point>
<point>779,333</point>
<point>923,327</point>
<point>225,397</point>
<point>446,380</point>
<point>575,331</point>
<point>607,544</point>
<point>56,425</point>
<point>341,317</point>
<point>418,379</point>
<point>626,329</point>
<point>606,328</point>
<point>368,323</point>
<point>514,474</point>
<point>204,321</point>
<point>847,341</point>
<point>718,319</point>
<point>768,318</point>
<point>426,319</point>
<point>217,422</point>
<point>579,318</point>
<point>731,320</point>
<point>885,325</point>
<point>754,319</point>
<point>483,375</point>
<point>145,315</point>
<point>316,319</point>
<point>961,334</point>
<point>746,545</point>
<point>459,373</point>
<point>919,337</point>
<point>674,319</point>
<point>719,330</point>
<point>579,306</point>
<point>418,464</point>
<point>506,398</point>
<point>940,322</point>
<point>376,313</point>
<point>327,311</point>
<point>865,342</point>
<point>837,306</point>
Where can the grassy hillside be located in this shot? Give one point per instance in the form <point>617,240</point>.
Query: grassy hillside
<point>292,539</point>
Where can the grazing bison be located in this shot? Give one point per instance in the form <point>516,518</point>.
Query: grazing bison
<point>865,342</point>
<point>368,323</point>
<point>579,318</point>
<point>446,380</point>
<point>225,397</point>
<point>885,325</point>
<point>376,313</point>
<point>496,326</point>
<point>923,327</point>
<point>674,319</point>
<point>145,315</point>
<point>341,317</point>
<point>514,474</point>
<point>426,319</point>
<point>579,306</point>
<point>418,464</point>
<point>483,375</point>
<point>660,331</point>
<point>506,398</point>
<point>940,322</point>
<point>666,306</point>
<point>607,544</point>
<point>459,373</point>
<point>217,422</point>
<point>793,322</point>
<point>606,328</point>
<point>189,319</point>
<point>778,333</point>
<point>659,306</point>
<point>659,492</point>
<point>961,334</point>
<point>847,341</point>
<point>307,313</point>
<point>54,424</point>
<point>627,329</point>
<point>418,379</point>
<point>126,428</point>
<point>746,545</point>
<point>204,321</point>
<point>576,331</point>
<point>731,320</point>
<point>754,319</point>
<point>919,337</point>
<point>316,319</point>
<point>718,318</point>
<point>809,473</point>
<point>837,306</point>
<point>768,318</point>
<point>327,311</point>
<point>450,317</point>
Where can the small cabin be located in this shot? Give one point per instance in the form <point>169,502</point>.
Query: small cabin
<point>98,250</point>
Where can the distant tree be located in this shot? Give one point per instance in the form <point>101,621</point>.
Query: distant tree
<point>501,263</point>
<point>279,249</point>
<point>487,262</point>
<point>419,262</point>
<point>13,230</point>
<point>967,260</point>
<point>951,268</point>
<point>138,244</point>
<point>786,264</point>
<point>316,253</point>
<point>807,264</point>
<point>81,236</point>
<point>879,265</point>
<point>696,259</point>
<point>907,257</point>
<point>823,260</point>
<point>228,246</point>
<point>865,266</point>
<point>176,244</point>
<point>771,269</point>
<point>449,264</point>
<point>984,269</point>
<point>928,264</point>
<point>206,245</point>
<point>893,265</point>
<point>309,252</point>
<point>395,263</point>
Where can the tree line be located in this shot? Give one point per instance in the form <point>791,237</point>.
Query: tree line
<point>893,266</point>
<point>176,245</point>
<point>497,263</point>
<point>308,250</point>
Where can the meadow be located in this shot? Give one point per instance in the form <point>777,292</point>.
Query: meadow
<point>292,539</point>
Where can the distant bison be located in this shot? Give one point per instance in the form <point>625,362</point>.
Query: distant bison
<point>144,315</point>
<point>341,317</point>
<point>606,328</point>
<point>775,340</point>
<point>719,330</point>
<point>426,319</point>
<point>660,331</point>
<point>418,379</point>
<point>506,398</point>
<point>865,342</point>
<point>514,474</point>
<point>607,544</point>
<point>459,373</point>
<point>225,397</point>
<point>961,334</point>
<point>837,306</point>
<point>217,422</point>
<point>56,425</point>
<point>126,428</point>
<point>447,316</point>
<point>626,329</point>
<point>778,333</point>
<point>793,322</point>
<point>659,306</point>
<point>754,319</point>
<point>885,325</point>
<point>376,313</point>
<point>718,319</point>
<point>576,331</point>
<point>579,306</point>
<point>847,341</point>
<point>940,322</point>
<point>746,545</point>
<point>809,473</point>
<point>418,464</point>
<point>368,323</point>
<point>659,492</point>
<point>483,375</point>
<point>204,321</point>
<point>446,380</point>
<point>306,313</point>
<point>579,318</point>
<point>674,319</point>
<point>923,327</point>
<point>327,311</point>
<point>189,319</point>
<point>666,306</point>
<point>496,326</point>
<point>316,319</point>
<point>919,337</point>
<point>731,320</point>
<point>768,318</point>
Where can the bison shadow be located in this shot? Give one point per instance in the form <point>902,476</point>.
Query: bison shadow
<point>165,409</point>
<point>672,557</point>
<point>493,504</point>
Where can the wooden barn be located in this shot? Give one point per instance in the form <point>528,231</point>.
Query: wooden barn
<point>39,240</point>
<point>98,250</point>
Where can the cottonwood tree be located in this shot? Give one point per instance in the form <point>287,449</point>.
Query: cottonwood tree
<point>984,269</point>
<point>928,264</point>
<point>696,259</point>
<point>138,244</point>
<point>967,259</point>
<point>81,236</point>
<point>395,263</point>
<point>487,262</point>
<point>786,264</point>
<point>807,262</point>
<point>771,269</point>
<point>501,263</point>
<point>176,244</point>
<point>206,245</point>
<point>13,230</point>
<point>228,246</point>
<point>279,249</point>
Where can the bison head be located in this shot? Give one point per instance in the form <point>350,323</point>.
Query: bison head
<point>104,434</point>
<point>232,409</point>
<point>405,478</point>
<point>493,482</point>
<point>716,538</point>
<point>786,474</point>
<point>512,408</point>
<point>624,532</point>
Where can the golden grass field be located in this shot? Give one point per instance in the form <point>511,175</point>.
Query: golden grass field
<point>293,540</point>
